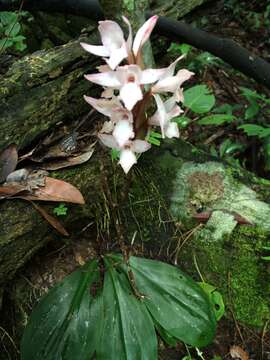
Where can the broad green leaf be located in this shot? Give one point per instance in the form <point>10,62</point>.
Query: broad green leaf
<point>7,17</point>
<point>255,130</point>
<point>250,94</point>
<point>127,330</point>
<point>215,298</point>
<point>199,99</point>
<point>13,29</point>
<point>217,119</point>
<point>63,325</point>
<point>174,300</point>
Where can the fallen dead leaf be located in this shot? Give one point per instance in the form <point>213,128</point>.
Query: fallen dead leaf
<point>8,191</point>
<point>51,219</point>
<point>69,161</point>
<point>237,352</point>
<point>57,190</point>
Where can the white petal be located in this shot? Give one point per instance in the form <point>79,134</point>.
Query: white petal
<point>161,114</point>
<point>127,159</point>
<point>131,93</point>
<point>144,33</point>
<point>169,84</point>
<point>169,71</point>
<point>117,56</point>
<point>104,106</point>
<point>140,146</point>
<point>184,75</point>
<point>149,76</point>
<point>104,79</point>
<point>107,93</point>
<point>112,36</point>
<point>123,131</point>
<point>107,127</point>
<point>103,68</point>
<point>175,111</point>
<point>127,72</point>
<point>172,130</point>
<point>130,36</point>
<point>108,140</point>
<point>96,49</point>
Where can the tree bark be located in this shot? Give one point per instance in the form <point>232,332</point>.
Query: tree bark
<point>47,87</point>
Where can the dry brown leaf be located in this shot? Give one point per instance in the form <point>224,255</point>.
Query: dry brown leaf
<point>8,191</point>
<point>51,219</point>
<point>8,161</point>
<point>70,161</point>
<point>237,352</point>
<point>57,190</point>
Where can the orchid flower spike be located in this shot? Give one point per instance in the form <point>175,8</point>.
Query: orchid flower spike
<point>128,88</point>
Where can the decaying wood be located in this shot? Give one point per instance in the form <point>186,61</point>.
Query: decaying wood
<point>47,87</point>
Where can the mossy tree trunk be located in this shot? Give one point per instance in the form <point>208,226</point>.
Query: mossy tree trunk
<point>47,87</point>
<point>169,188</point>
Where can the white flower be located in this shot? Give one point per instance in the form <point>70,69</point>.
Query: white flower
<point>165,112</point>
<point>127,152</point>
<point>172,83</point>
<point>128,79</point>
<point>114,48</point>
<point>123,131</point>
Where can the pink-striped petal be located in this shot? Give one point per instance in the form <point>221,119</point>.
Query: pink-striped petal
<point>104,79</point>
<point>112,36</point>
<point>104,106</point>
<point>108,140</point>
<point>98,50</point>
<point>150,76</point>
<point>143,34</point>
<point>140,146</point>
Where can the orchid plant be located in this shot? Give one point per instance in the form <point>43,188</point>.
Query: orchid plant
<point>109,307</point>
<point>129,88</point>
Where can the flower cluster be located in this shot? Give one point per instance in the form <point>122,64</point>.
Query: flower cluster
<point>128,90</point>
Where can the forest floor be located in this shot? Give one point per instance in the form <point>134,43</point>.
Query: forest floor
<point>249,26</point>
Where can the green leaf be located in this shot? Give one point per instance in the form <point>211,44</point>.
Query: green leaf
<point>228,147</point>
<point>226,108</point>
<point>267,258</point>
<point>7,17</point>
<point>252,110</point>
<point>127,328</point>
<point>115,154</point>
<point>63,325</point>
<point>215,298</point>
<point>174,300</point>
<point>60,210</point>
<point>250,94</point>
<point>185,48</point>
<point>13,30</point>
<point>182,121</point>
<point>199,99</point>
<point>217,119</point>
<point>255,130</point>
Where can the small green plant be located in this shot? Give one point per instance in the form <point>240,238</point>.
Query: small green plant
<point>267,248</point>
<point>60,210</point>
<point>10,32</point>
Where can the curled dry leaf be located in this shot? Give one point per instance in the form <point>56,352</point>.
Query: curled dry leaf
<point>56,190</point>
<point>237,352</point>
<point>8,191</point>
<point>51,219</point>
<point>8,161</point>
<point>70,161</point>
